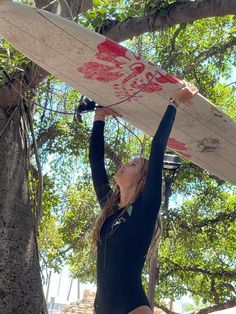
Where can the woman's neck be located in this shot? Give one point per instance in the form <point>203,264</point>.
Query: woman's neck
<point>126,196</point>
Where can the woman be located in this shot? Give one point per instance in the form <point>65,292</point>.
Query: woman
<point>124,229</point>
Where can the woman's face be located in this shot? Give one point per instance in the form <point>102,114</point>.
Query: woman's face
<point>128,173</point>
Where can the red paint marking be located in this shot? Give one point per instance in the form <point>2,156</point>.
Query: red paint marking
<point>180,147</point>
<point>167,78</point>
<point>172,142</point>
<point>147,88</point>
<point>109,51</point>
<point>136,68</point>
<point>186,155</point>
<point>99,72</point>
<point>117,56</point>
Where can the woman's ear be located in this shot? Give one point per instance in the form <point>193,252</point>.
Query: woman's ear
<point>142,182</point>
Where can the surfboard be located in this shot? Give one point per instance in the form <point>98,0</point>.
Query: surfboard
<point>109,73</point>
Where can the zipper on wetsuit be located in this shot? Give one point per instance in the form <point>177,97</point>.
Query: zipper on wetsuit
<point>105,254</point>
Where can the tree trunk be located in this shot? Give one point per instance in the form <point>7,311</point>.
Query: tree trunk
<point>20,283</point>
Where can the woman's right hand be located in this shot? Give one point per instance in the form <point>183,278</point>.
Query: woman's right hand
<point>102,113</point>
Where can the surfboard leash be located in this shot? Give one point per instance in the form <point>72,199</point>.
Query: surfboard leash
<point>83,107</point>
<point>30,100</point>
<point>87,105</point>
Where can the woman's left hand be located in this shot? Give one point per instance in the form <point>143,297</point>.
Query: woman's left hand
<point>185,94</point>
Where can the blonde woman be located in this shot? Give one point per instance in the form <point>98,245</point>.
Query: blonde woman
<point>125,227</point>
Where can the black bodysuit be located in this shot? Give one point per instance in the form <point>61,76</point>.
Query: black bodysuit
<point>125,240</point>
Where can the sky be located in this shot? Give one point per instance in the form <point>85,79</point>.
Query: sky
<point>60,286</point>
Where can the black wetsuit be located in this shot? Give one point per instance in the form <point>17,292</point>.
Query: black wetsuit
<point>124,242</point>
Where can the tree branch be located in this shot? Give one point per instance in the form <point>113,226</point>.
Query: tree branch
<point>176,13</point>
<point>53,132</point>
<point>213,291</point>
<point>75,6</point>
<point>218,307</point>
<point>229,286</point>
<point>23,82</point>
<point>48,5</point>
<point>172,53</point>
<point>49,134</point>
<point>195,269</point>
<point>221,217</point>
<point>206,222</point>
<point>210,53</point>
<point>164,308</point>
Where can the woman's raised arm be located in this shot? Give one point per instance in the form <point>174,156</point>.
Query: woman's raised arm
<point>96,156</point>
<point>152,189</point>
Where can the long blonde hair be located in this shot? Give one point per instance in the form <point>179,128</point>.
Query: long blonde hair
<point>112,204</point>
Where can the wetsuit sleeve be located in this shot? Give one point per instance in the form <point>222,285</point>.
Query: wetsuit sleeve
<point>152,190</point>
<point>96,158</point>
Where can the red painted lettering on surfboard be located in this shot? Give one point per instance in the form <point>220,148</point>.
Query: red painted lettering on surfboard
<point>110,51</point>
<point>127,69</point>
<point>147,88</point>
<point>179,147</point>
<point>100,72</point>
<point>186,155</point>
<point>167,78</point>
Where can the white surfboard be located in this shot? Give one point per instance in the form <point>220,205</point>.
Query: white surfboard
<point>109,74</point>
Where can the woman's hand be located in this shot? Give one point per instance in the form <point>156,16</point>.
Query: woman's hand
<point>102,113</point>
<point>184,94</point>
